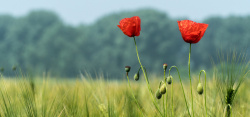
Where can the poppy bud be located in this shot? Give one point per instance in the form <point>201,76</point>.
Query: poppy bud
<point>136,77</point>
<point>163,89</point>
<point>158,94</point>
<point>127,68</point>
<point>169,79</point>
<point>165,66</point>
<point>200,89</point>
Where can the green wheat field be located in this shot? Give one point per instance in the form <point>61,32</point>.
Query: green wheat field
<point>99,97</point>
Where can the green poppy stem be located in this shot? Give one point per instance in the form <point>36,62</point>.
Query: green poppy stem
<point>166,105</point>
<point>135,98</point>
<point>163,105</point>
<point>190,79</point>
<point>181,87</point>
<point>146,78</point>
<point>164,111</point>
<point>204,88</point>
<point>172,98</point>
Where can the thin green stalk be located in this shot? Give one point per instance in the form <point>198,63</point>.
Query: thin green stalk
<point>172,98</point>
<point>163,106</point>
<point>163,95</point>
<point>146,78</point>
<point>190,79</point>
<point>134,97</point>
<point>231,111</point>
<point>204,89</point>
<point>166,103</point>
<point>5,105</point>
<point>181,87</point>
<point>228,111</point>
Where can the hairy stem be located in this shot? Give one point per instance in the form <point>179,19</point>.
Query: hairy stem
<point>164,112</point>
<point>181,87</point>
<point>190,79</point>
<point>146,78</point>
<point>172,99</point>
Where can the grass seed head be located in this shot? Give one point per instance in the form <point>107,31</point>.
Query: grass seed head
<point>230,96</point>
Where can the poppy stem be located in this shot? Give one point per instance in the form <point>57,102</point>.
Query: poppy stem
<point>204,88</point>
<point>165,106</point>
<point>190,79</point>
<point>134,97</point>
<point>181,87</point>
<point>172,98</point>
<point>146,78</point>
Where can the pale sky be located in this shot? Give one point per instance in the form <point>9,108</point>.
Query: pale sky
<point>88,11</point>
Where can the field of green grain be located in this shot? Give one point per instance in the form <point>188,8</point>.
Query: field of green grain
<point>97,97</point>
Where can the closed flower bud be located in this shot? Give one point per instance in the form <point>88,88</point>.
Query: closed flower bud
<point>158,94</point>
<point>127,68</point>
<point>169,79</point>
<point>136,76</point>
<point>200,89</point>
<point>165,66</point>
<point>163,89</point>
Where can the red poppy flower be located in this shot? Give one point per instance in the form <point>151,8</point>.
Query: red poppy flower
<point>131,26</point>
<point>192,32</point>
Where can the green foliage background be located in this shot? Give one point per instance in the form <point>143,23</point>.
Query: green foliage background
<point>42,42</point>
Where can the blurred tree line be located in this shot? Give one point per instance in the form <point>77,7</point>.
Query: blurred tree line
<point>41,42</point>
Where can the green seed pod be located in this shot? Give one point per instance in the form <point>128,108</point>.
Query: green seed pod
<point>127,68</point>
<point>163,89</point>
<point>165,66</point>
<point>158,94</point>
<point>136,77</point>
<point>200,89</point>
<point>169,79</point>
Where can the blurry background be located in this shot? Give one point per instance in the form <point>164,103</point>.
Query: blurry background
<point>65,37</point>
